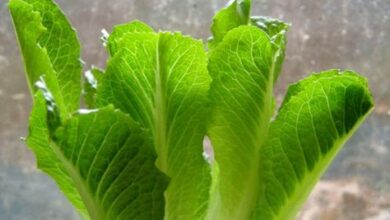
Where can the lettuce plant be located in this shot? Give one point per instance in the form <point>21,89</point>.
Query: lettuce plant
<point>136,150</point>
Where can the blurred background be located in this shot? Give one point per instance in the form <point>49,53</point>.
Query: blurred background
<point>353,34</point>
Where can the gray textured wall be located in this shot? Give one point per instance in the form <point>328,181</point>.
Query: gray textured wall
<point>325,34</point>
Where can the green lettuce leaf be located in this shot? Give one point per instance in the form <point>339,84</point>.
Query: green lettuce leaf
<point>252,168</point>
<point>142,159</point>
<point>161,80</point>
<point>318,115</point>
<point>50,48</point>
<point>243,69</point>
<point>51,51</point>
<point>272,26</point>
<point>233,15</point>
<point>276,29</point>
<point>102,160</point>
<point>236,14</point>
<point>111,161</point>
<point>38,141</point>
<point>120,30</point>
<point>106,160</point>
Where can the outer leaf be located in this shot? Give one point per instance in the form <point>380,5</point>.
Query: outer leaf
<point>161,80</point>
<point>121,30</point>
<point>235,14</point>
<point>50,48</point>
<point>103,162</point>
<point>47,160</point>
<point>272,26</point>
<point>318,116</point>
<point>111,160</point>
<point>242,67</point>
<point>276,29</point>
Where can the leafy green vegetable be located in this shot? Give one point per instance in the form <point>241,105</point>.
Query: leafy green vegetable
<point>56,58</point>
<point>235,14</point>
<point>111,161</point>
<point>161,80</point>
<point>108,159</point>
<point>137,151</point>
<point>120,30</point>
<point>276,30</point>
<point>317,117</point>
<point>242,69</point>
<point>50,48</point>
<point>39,142</point>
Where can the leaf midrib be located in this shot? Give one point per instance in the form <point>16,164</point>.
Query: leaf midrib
<point>160,113</point>
<point>94,210</point>
<point>246,205</point>
<point>251,191</point>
